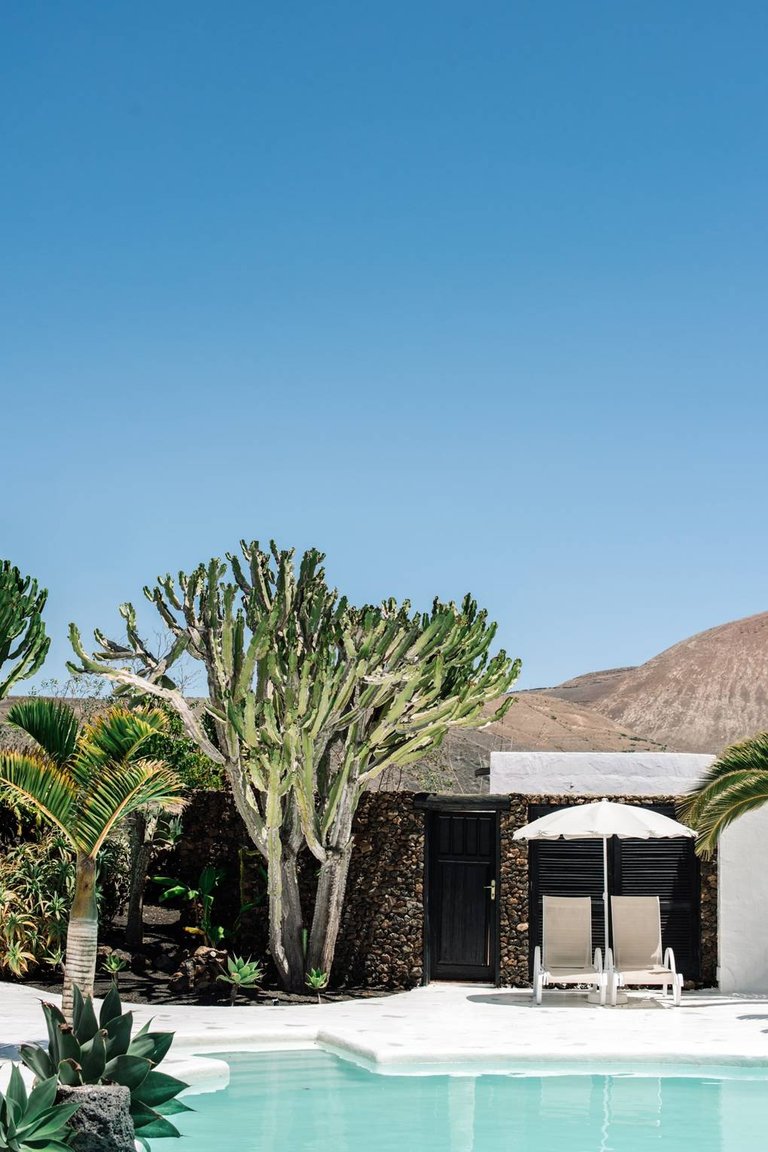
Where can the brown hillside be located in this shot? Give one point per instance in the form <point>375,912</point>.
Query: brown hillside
<point>536,722</point>
<point>697,696</point>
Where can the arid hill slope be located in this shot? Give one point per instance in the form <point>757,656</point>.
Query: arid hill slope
<point>697,696</point>
<point>536,722</point>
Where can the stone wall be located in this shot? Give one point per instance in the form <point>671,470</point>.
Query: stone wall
<point>381,939</point>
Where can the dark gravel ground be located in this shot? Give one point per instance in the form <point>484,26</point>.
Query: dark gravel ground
<point>166,945</point>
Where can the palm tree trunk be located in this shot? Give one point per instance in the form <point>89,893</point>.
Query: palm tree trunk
<point>82,934</point>
<point>141,854</point>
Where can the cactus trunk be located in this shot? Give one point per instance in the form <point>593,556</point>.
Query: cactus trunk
<point>329,904</point>
<point>82,934</point>
<point>285,921</point>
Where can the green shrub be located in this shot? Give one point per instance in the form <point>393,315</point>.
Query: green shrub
<point>37,881</point>
<point>183,755</point>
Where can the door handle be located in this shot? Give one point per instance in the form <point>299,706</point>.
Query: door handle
<point>492,889</point>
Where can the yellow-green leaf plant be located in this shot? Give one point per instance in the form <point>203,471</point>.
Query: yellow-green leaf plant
<point>84,781</point>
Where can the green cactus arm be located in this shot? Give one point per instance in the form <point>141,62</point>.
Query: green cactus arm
<point>23,641</point>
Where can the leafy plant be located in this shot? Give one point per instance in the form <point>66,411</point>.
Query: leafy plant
<point>114,965</point>
<point>317,980</point>
<point>54,958</point>
<point>34,1122</point>
<point>241,974</point>
<point>37,880</point>
<point>201,899</point>
<point>91,1051</point>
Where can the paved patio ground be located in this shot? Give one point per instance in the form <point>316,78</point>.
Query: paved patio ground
<point>473,1027</point>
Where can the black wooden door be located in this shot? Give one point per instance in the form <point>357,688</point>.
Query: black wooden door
<point>461,896</point>
<point>668,869</point>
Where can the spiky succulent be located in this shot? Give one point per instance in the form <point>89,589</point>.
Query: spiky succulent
<point>103,1051</point>
<point>34,1122</point>
<point>241,974</point>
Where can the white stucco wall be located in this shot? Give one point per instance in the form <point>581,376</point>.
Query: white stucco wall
<point>743,851</point>
<point>742,905</point>
<point>597,773</point>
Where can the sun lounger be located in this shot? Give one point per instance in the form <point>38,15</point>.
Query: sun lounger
<point>637,947</point>
<point>565,956</point>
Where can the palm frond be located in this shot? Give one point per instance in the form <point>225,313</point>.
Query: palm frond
<point>32,779</point>
<point>736,783</point>
<point>115,737</point>
<point>52,725</point>
<point>121,788</point>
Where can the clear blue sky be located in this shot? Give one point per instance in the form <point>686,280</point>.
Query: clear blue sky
<point>471,296</point>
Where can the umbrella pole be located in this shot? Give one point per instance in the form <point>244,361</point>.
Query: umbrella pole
<point>605,893</point>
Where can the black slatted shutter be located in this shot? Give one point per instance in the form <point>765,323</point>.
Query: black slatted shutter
<point>668,869</point>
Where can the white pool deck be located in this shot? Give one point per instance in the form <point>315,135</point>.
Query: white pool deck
<point>471,1027</point>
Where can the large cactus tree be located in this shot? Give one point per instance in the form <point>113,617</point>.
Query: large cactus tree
<point>23,642</point>
<point>310,700</point>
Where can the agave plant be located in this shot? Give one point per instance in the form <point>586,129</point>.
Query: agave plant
<point>241,974</point>
<point>84,782</point>
<point>34,1122</point>
<point>317,980</point>
<point>103,1051</point>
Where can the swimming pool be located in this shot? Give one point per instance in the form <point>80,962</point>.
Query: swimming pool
<point>312,1101</point>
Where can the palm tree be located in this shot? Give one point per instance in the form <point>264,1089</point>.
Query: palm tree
<point>84,781</point>
<point>736,783</point>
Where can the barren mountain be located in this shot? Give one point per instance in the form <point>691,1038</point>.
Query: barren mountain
<point>697,696</point>
<point>536,722</point>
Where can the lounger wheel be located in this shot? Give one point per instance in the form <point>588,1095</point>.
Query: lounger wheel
<point>538,977</point>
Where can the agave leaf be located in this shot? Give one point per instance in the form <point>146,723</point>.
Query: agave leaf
<point>69,1073</point>
<point>51,1124</point>
<point>53,1018</point>
<point>93,1058</point>
<point>16,1096</point>
<point>38,1061</point>
<point>69,1048</point>
<point>119,1035</point>
<point>155,1126</point>
<point>173,1107</point>
<point>51,1145</point>
<point>41,1098</point>
<point>84,1020</point>
<point>143,1046</point>
<point>110,1008</point>
<point>161,1042</point>
<point>157,1088</point>
<point>129,1070</point>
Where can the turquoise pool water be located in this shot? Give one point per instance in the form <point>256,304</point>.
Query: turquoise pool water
<point>316,1102</point>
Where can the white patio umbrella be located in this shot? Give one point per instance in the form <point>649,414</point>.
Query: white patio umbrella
<point>601,821</point>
